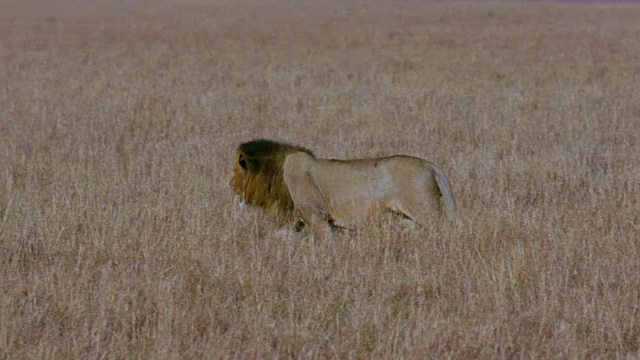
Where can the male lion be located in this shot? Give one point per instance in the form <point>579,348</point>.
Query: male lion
<point>291,184</point>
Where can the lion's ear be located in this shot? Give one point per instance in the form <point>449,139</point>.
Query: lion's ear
<point>242,162</point>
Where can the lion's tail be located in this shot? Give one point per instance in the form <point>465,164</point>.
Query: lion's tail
<point>445,190</point>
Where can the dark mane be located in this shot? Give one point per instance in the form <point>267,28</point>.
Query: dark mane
<point>268,156</point>
<point>260,176</point>
<point>263,148</point>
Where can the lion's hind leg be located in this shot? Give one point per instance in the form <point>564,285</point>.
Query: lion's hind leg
<point>398,214</point>
<point>418,206</point>
<point>394,218</point>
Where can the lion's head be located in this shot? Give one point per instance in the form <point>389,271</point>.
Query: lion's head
<point>258,176</point>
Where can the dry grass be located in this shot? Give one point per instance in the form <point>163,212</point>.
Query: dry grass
<point>120,238</point>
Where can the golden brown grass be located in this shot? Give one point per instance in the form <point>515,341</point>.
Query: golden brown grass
<point>120,238</point>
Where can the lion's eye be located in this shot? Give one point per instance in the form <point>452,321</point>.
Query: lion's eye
<point>243,163</point>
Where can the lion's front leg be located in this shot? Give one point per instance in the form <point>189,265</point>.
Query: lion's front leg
<point>318,227</point>
<point>307,197</point>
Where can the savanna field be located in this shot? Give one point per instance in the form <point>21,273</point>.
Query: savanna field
<point>120,237</point>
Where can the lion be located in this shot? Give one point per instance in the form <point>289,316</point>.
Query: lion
<point>292,185</point>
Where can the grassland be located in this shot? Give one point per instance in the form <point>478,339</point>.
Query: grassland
<point>120,237</point>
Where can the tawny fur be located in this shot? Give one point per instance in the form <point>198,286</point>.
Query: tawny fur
<point>290,183</point>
